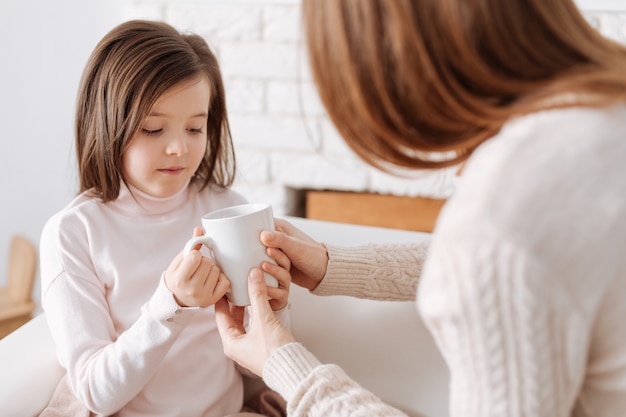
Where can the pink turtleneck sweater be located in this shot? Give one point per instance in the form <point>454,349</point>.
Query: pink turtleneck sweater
<point>126,344</point>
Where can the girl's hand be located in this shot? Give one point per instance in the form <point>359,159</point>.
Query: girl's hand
<point>308,257</point>
<point>280,295</point>
<point>194,280</point>
<point>266,333</point>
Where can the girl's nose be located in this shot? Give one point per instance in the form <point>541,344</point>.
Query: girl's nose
<point>176,145</point>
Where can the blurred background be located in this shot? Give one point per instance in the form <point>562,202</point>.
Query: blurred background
<point>285,144</point>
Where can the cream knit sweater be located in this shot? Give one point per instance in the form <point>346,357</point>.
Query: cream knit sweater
<point>524,284</point>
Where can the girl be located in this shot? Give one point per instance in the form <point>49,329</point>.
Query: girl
<point>523,283</point>
<point>132,319</point>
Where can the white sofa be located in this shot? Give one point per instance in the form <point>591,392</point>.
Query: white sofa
<point>382,345</point>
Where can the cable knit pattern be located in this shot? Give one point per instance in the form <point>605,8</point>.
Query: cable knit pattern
<point>505,300</point>
<point>377,272</point>
<point>518,288</point>
<point>523,286</point>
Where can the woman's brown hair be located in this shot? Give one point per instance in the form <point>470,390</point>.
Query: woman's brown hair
<point>422,83</point>
<point>130,68</point>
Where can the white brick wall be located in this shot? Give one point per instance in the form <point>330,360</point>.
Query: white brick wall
<point>281,133</point>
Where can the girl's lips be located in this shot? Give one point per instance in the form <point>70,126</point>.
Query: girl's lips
<point>171,170</point>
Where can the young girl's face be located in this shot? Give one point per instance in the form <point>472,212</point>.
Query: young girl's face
<point>167,150</point>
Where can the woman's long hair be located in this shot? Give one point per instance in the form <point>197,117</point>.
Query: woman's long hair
<point>422,83</point>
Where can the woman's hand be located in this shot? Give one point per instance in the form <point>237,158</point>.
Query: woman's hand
<point>280,295</point>
<point>308,257</point>
<point>266,333</point>
<point>195,280</point>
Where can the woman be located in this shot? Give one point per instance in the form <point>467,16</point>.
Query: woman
<point>522,282</point>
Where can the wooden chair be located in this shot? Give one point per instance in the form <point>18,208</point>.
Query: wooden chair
<point>16,302</point>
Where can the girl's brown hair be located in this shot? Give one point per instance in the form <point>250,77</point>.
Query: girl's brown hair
<point>130,68</point>
<point>422,83</point>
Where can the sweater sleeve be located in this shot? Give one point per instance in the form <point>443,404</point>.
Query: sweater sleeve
<point>313,389</point>
<point>385,272</point>
<point>77,313</point>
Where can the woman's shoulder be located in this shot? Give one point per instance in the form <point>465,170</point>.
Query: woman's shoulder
<point>544,178</point>
<point>554,136</point>
<point>537,157</point>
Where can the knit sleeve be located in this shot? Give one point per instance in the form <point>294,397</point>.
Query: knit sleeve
<point>512,334</point>
<point>374,271</point>
<point>313,389</point>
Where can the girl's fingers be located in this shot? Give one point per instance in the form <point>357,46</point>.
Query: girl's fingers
<point>222,286</point>
<point>176,262</point>
<point>208,273</point>
<point>189,264</point>
<point>198,231</point>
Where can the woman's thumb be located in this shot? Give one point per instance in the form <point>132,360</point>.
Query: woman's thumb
<point>257,290</point>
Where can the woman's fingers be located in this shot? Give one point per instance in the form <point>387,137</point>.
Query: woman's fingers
<point>257,290</point>
<point>266,334</point>
<point>280,257</point>
<point>281,237</point>
<point>227,326</point>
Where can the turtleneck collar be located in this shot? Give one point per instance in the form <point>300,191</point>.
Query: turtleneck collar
<point>135,202</point>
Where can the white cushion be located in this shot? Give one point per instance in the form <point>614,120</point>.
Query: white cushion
<point>30,370</point>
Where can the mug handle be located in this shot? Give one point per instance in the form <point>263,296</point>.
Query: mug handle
<point>191,243</point>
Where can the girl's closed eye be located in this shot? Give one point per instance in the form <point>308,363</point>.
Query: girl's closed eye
<point>150,132</point>
<point>196,130</point>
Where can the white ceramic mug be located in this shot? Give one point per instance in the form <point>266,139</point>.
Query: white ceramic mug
<point>232,235</point>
